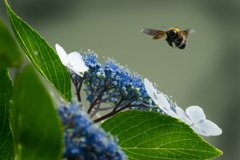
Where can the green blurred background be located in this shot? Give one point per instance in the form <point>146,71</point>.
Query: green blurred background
<point>204,74</point>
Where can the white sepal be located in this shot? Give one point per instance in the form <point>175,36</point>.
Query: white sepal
<point>72,61</point>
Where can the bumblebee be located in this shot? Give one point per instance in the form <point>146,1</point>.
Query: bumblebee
<point>174,35</point>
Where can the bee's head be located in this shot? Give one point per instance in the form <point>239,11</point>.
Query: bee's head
<point>172,33</point>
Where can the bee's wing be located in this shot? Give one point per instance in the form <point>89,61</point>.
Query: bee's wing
<point>187,32</point>
<point>156,34</point>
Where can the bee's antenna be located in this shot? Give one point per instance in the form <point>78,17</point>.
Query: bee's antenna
<point>164,27</point>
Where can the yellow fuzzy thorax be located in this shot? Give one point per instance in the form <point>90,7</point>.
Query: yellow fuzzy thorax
<point>176,29</point>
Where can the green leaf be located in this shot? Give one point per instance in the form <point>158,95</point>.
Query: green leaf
<point>10,55</point>
<point>35,124</point>
<point>150,135</point>
<point>6,139</point>
<point>42,56</point>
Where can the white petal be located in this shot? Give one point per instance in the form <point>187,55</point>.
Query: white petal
<point>209,127</point>
<point>76,62</point>
<point>62,54</point>
<point>158,99</point>
<point>151,90</point>
<point>183,116</point>
<point>195,113</point>
<point>163,102</point>
<point>164,105</point>
<point>199,130</point>
<point>75,71</point>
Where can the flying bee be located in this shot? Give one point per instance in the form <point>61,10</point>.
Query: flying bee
<point>174,35</point>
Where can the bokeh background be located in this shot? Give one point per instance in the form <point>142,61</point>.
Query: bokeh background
<point>206,73</point>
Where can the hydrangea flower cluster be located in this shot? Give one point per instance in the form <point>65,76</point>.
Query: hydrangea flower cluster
<point>82,140</point>
<point>109,82</point>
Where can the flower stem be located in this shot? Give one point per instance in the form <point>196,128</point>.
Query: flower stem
<point>113,113</point>
<point>118,104</point>
<point>78,89</point>
<point>100,95</point>
<point>95,112</point>
<point>110,114</point>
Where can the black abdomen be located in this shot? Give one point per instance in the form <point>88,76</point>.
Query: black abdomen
<point>181,43</point>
